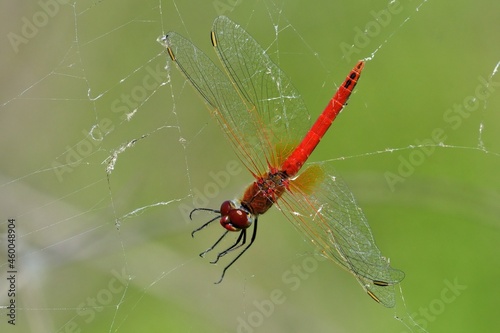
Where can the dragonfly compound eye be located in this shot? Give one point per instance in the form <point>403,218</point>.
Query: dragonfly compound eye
<point>226,207</point>
<point>236,219</point>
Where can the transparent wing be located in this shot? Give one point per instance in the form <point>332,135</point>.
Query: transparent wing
<point>253,101</point>
<point>280,118</point>
<point>217,90</point>
<point>321,205</point>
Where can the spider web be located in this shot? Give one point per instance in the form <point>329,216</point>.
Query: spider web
<point>105,151</point>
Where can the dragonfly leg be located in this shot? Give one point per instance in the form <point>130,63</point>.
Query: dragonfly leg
<point>254,234</point>
<point>213,246</point>
<point>203,226</point>
<point>241,238</point>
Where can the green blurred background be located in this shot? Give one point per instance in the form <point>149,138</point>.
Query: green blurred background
<point>114,254</point>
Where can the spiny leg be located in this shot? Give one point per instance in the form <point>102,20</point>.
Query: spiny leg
<point>241,253</point>
<point>215,244</point>
<point>203,226</point>
<point>242,237</point>
<point>204,209</point>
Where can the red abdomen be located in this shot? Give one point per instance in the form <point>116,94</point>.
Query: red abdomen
<point>299,156</point>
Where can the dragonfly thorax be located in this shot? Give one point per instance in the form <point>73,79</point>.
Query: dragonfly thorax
<point>234,217</point>
<point>265,191</point>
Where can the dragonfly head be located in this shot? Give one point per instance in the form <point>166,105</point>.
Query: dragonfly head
<point>234,217</point>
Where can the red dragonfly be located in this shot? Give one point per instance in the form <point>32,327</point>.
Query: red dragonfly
<point>264,119</point>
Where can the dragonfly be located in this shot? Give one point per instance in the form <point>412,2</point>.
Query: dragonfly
<point>267,124</point>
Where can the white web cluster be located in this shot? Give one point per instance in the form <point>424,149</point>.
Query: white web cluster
<point>106,149</point>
